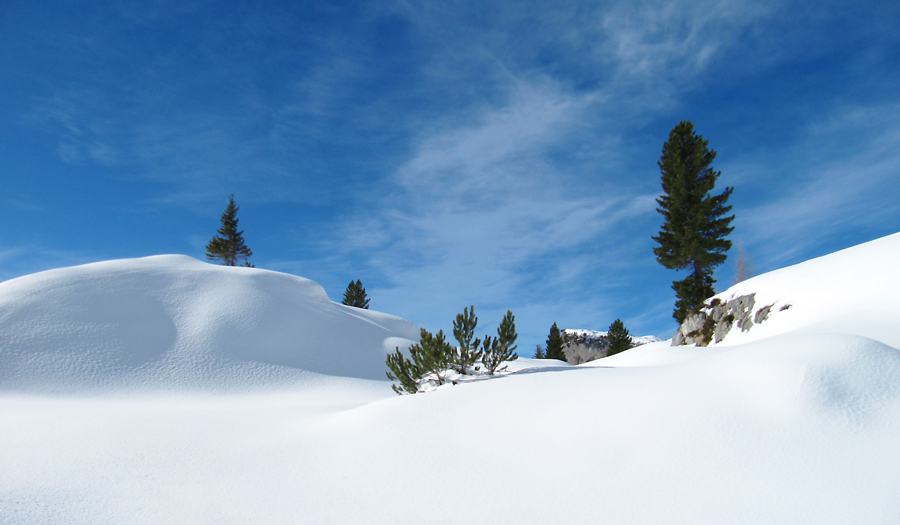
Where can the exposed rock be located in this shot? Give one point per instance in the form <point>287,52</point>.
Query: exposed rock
<point>581,346</point>
<point>715,320</point>
<point>763,313</point>
<point>741,307</point>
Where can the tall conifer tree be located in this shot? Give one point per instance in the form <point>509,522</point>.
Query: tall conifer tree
<point>555,345</point>
<point>228,246</point>
<point>693,235</point>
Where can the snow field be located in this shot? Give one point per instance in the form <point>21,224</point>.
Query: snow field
<point>795,421</point>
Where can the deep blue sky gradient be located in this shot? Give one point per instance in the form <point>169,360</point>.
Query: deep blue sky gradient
<point>501,154</point>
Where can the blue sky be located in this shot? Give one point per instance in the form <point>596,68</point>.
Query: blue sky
<point>501,154</point>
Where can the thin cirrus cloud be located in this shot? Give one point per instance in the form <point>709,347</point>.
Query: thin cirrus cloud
<point>478,215</point>
<point>842,175</point>
<point>485,199</point>
<point>501,154</point>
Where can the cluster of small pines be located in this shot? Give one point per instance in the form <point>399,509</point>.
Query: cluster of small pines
<point>432,357</point>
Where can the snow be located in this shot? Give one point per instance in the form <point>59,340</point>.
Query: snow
<point>795,421</point>
<point>853,291</point>
<point>172,321</point>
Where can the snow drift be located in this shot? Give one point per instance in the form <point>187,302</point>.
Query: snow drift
<point>795,421</point>
<point>173,321</point>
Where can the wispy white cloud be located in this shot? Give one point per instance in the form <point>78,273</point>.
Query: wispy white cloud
<point>842,175</point>
<point>480,215</point>
<point>485,210</point>
<point>669,40</point>
<point>462,152</point>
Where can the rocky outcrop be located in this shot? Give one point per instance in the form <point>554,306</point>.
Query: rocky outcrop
<point>581,346</point>
<point>715,320</point>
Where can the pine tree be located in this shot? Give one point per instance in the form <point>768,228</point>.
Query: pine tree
<point>432,355</point>
<point>402,370</point>
<point>501,348</point>
<point>693,235</point>
<point>555,345</point>
<point>464,330</point>
<point>619,338</point>
<point>539,352</point>
<point>228,245</point>
<point>355,295</point>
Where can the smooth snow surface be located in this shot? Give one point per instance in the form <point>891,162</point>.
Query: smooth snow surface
<point>799,423</point>
<point>174,322</point>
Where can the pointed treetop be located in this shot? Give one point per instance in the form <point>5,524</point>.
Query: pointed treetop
<point>228,246</point>
<point>355,295</point>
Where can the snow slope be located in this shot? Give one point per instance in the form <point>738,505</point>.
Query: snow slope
<point>795,425</point>
<point>174,322</point>
<point>853,291</point>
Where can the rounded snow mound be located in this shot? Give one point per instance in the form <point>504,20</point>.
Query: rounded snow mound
<point>173,321</point>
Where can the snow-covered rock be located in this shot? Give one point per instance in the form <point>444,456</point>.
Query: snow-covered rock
<point>852,291</point>
<point>173,321</point>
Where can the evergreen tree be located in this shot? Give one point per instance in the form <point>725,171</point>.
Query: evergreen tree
<point>693,235</point>
<point>432,355</point>
<point>228,245</point>
<point>539,352</point>
<point>355,295</point>
<point>619,338</point>
<point>464,330</point>
<point>501,348</point>
<point>402,370</point>
<point>555,345</point>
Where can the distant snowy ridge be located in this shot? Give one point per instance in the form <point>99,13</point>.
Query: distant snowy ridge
<point>173,321</point>
<point>596,334</point>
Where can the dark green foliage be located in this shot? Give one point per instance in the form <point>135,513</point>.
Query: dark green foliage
<point>464,331</point>
<point>619,338</point>
<point>693,235</point>
<point>502,348</point>
<point>355,295</point>
<point>432,355</point>
<point>539,352</point>
<point>228,245</point>
<point>402,370</point>
<point>555,345</point>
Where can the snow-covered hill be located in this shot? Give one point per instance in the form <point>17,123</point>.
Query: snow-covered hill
<point>796,421</point>
<point>172,321</point>
<point>853,291</point>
